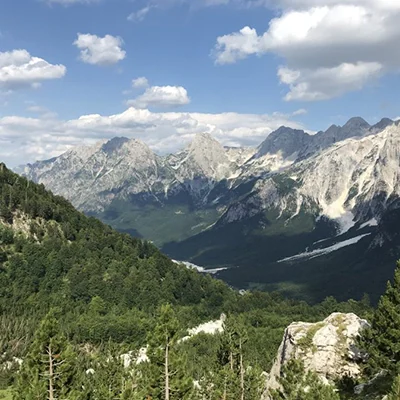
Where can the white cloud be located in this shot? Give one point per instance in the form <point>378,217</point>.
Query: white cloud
<point>237,46</point>
<point>19,69</point>
<point>320,38</point>
<point>161,96</point>
<point>211,3</point>
<point>326,83</point>
<point>208,3</point>
<point>140,15</point>
<point>300,111</point>
<point>36,109</point>
<point>43,112</point>
<point>97,50</point>
<point>71,2</point>
<point>41,138</point>
<point>140,82</point>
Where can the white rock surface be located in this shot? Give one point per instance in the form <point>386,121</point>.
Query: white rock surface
<point>133,357</point>
<point>326,348</point>
<point>209,328</point>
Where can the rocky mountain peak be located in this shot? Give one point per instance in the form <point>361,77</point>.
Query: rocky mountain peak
<point>204,141</point>
<point>136,148</point>
<point>381,125</point>
<point>354,127</point>
<point>335,178</point>
<point>114,144</point>
<point>356,123</point>
<point>285,140</point>
<point>84,152</point>
<point>204,157</point>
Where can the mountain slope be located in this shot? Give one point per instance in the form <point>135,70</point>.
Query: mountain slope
<point>174,197</point>
<point>222,207</point>
<point>51,252</point>
<point>332,208</point>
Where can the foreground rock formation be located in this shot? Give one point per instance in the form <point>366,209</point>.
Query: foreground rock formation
<point>327,348</point>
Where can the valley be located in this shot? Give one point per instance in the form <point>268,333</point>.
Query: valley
<point>327,197</point>
<point>199,200</point>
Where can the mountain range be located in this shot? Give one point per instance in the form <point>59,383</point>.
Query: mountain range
<point>308,215</point>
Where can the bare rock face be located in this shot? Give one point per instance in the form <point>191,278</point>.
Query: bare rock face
<point>326,348</point>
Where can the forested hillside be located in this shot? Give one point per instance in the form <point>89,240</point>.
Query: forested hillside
<point>100,293</point>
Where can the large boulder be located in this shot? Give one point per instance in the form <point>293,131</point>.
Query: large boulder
<point>327,348</point>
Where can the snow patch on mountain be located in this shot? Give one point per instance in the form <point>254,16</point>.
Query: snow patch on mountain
<point>371,222</point>
<point>326,250</point>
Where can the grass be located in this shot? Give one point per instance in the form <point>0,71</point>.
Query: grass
<point>339,322</point>
<point>306,342</point>
<point>5,394</point>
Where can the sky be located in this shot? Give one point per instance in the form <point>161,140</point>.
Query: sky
<point>73,72</point>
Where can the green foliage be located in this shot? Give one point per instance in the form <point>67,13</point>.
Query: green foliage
<point>297,384</point>
<point>382,341</point>
<point>5,394</point>
<point>49,367</point>
<point>306,342</point>
<point>164,377</point>
<point>105,376</point>
<point>169,223</point>
<point>235,377</point>
<point>395,391</point>
<point>108,287</point>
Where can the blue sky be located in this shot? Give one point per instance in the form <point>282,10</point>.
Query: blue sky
<point>236,68</point>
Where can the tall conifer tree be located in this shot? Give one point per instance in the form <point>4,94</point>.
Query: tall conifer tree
<point>382,341</point>
<point>48,370</point>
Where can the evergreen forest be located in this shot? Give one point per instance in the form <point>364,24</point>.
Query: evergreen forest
<point>81,302</point>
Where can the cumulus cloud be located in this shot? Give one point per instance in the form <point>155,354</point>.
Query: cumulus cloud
<point>352,41</point>
<point>140,82</point>
<point>41,138</point>
<point>161,96</point>
<point>325,83</point>
<point>19,69</point>
<point>102,51</point>
<point>237,46</point>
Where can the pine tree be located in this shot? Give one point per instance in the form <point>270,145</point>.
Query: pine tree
<point>236,380</point>
<point>227,366</point>
<point>382,341</point>
<point>395,392</point>
<point>297,384</point>
<point>107,379</point>
<point>164,376</point>
<point>48,370</point>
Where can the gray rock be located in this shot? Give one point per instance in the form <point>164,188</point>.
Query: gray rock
<point>326,348</point>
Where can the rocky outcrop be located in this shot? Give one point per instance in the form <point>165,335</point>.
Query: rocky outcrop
<point>327,348</point>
